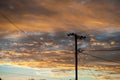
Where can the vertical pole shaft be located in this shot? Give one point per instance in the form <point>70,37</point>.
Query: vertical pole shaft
<point>76,59</point>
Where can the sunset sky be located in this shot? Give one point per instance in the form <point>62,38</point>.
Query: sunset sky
<point>35,30</point>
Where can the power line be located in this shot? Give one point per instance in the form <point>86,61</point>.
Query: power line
<point>17,27</point>
<point>82,50</point>
<point>100,58</point>
<point>88,68</point>
<point>104,50</point>
<point>91,71</point>
<point>10,21</point>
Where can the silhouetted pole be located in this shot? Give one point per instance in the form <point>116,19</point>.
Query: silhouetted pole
<point>76,37</point>
<point>76,58</point>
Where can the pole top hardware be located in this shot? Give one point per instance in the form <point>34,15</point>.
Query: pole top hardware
<point>78,37</point>
<point>80,50</point>
<point>71,34</point>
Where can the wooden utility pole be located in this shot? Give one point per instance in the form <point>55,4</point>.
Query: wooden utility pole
<point>76,37</point>
<point>76,59</point>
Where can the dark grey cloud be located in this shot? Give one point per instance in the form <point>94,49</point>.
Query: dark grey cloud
<point>106,37</point>
<point>20,7</point>
<point>53,41</point>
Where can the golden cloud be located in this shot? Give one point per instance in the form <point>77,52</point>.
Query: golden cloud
<point>61,15</point>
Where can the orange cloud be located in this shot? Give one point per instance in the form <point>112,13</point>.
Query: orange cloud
<point>57,15</point>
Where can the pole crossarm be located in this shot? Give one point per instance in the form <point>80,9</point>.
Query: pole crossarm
<point>77,36</point>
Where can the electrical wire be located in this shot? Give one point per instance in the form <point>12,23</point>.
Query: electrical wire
<point>104,50</point>
<point>90,70</point>
<point>10,21</point>
<point>16,26</point>
<point>93,72</point>
<point>101,58</point>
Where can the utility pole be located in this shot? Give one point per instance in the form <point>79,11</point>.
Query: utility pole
<point>76,37</point>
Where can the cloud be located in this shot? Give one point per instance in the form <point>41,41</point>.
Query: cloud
<point>22,7</point>
<point>46,23</point>
<point>54,15</point>
<point>55,41</point>
<point>105,37</point>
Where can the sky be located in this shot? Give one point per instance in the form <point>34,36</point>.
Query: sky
<point>35,30</point>
<point>56,15</point>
